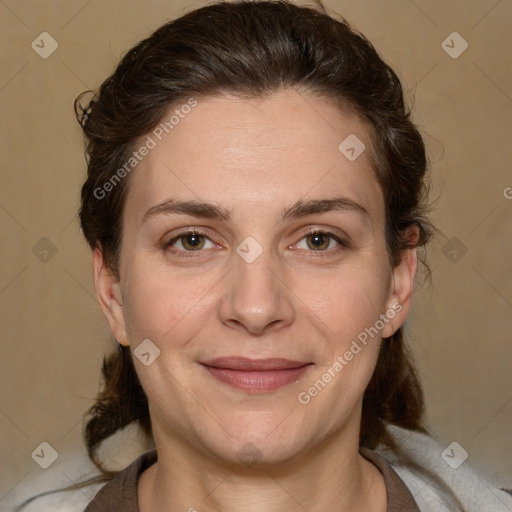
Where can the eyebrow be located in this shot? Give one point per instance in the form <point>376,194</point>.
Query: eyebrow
<point>297,210</point>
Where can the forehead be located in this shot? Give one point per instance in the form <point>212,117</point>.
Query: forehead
<point>250,153</point>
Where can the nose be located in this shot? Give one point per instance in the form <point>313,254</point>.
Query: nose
<point>256,298</point>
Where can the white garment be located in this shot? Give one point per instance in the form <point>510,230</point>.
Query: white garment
<point>476,493</point>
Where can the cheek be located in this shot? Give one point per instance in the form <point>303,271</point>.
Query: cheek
<point>349,306</point>
<point>347,301</point>
<point>156,304</point>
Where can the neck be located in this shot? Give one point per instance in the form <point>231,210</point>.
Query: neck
<point>332,476</point>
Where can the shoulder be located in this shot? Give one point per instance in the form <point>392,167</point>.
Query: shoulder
<point>433,463</point>
<point>122,489</point>
<point>45,494</point>
<point>42,492</point>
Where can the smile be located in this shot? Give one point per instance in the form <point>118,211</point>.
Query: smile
<point>256,375</point>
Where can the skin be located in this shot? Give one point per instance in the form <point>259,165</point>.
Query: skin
<point>255,158</point>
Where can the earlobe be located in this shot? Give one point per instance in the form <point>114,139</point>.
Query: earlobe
<point>400,296</point>
<point>109,297</point>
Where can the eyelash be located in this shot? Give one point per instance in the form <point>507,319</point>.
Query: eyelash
<point>344,243</point>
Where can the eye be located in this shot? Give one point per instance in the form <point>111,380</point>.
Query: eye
<point>189,241</point>
<point>317,240</point>
<point>323,241</point>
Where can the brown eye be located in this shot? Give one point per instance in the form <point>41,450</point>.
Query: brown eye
<point>321,241</point>
<point>318,241</point>
<point>188,242</point>
<point>192,241</point>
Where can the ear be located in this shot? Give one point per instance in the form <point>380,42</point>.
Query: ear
<point>109,297</point>
<point>402,284</point>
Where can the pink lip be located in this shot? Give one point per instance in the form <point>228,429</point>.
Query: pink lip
<point>256,375</point>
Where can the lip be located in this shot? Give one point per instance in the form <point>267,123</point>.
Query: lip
<point>256,375</point>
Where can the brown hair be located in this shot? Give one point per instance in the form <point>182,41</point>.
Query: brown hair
<point>253,49</point>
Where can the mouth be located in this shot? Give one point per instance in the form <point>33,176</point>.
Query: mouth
<point>256,375</point>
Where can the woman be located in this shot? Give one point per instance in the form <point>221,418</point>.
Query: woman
<point>255,204</point>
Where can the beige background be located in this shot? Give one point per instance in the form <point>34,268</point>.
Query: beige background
<point>53,335</point>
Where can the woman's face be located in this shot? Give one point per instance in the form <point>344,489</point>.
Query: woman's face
<point>263,326</point>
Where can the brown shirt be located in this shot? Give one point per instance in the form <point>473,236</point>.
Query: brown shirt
<point>120,494</point>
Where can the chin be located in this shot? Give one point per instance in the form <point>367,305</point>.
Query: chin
<point>259,453</point>
<point>267,441</point>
